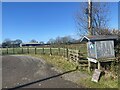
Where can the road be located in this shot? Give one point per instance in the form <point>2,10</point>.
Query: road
<point>28,72</point>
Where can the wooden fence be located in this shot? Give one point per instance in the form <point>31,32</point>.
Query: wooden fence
<point>70,54</point>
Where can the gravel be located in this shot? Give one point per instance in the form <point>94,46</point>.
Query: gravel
<point>30,72</point>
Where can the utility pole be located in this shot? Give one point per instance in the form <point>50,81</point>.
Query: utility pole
<point>90,17</point>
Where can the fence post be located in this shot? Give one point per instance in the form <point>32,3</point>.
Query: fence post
<point>64,51</point>
<point>50,51</point>
<point>70,55</point>
<point>77,57</point>
<point>22,50</point>
<point>58,51</point>
<point>43,51</point>
<point>89,66</point>
<point>7,50</point>
<point>35,50</point>
<point>28,50</point>
<point>13,50</point>
<point>79,53</point>
<point>67,52</point>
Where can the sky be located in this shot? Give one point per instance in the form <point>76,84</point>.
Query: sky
<point>43,20</point>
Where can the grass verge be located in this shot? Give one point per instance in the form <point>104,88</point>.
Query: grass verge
<point>58,61</point>
<point>101,84</point>
<point>64,65</point>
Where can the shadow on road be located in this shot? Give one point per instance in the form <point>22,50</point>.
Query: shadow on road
<point>41,80</point>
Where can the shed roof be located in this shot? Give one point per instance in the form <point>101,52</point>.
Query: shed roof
<point>99,37</point>
<point>31,43</point>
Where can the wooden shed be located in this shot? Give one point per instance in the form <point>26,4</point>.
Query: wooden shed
<point>100,46</point>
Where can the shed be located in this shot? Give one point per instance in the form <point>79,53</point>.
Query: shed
<point>100,46</point>
<point>30,44</point>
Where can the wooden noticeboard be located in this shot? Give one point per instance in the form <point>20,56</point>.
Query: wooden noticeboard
<point>96,75</point>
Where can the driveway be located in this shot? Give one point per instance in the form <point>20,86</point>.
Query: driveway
<point>28,72</point>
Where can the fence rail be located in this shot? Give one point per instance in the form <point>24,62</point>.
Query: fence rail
<point>70,54</point>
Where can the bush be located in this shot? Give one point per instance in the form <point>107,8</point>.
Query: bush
<point>114,69</point>
<point>117,47</point>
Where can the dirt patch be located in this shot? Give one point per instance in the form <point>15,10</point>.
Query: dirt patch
<point>73,76</point>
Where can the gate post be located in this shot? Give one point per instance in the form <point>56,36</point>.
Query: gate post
<point>99,65</point>
<point>89,65</point>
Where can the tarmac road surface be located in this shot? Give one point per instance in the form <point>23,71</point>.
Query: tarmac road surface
<point>28,72</point>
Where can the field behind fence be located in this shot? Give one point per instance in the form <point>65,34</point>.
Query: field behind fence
<point>71,54</point>
<point>32,51</point>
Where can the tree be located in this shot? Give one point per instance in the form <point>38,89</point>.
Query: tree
<point>7,43</point>
<point>100,13</point>
<point>41,42</point>
<point>51,41</point>
<point>4,45</point>
<point>116,32</point>
<point>18,41</point>
<point>61,40</point>
<point>33,41</point>
<point>11,43</point>
<point>117,42</point>
<point>66,39</point>
<point>58,40</point>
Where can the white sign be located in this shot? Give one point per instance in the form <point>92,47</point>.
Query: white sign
<point>92,60</point>
<point>96,75</point>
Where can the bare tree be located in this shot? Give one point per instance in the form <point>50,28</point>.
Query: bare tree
<point>34,41</point>
<point>115,32</point>
<point>41,42</point>
<point>58,40</point>
<point>100,17</point>
<point>61,40</point>
<point>66,39</point>
<point>51,41</point>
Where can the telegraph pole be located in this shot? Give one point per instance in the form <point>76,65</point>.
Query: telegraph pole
<point>90,17</point>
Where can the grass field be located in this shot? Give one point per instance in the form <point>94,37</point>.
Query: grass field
<point>45,50</point>
<point>64,65</point>
<point>31,50</point>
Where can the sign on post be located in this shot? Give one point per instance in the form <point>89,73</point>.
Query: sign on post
<point>96,75</point>
<point>92,60</point>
